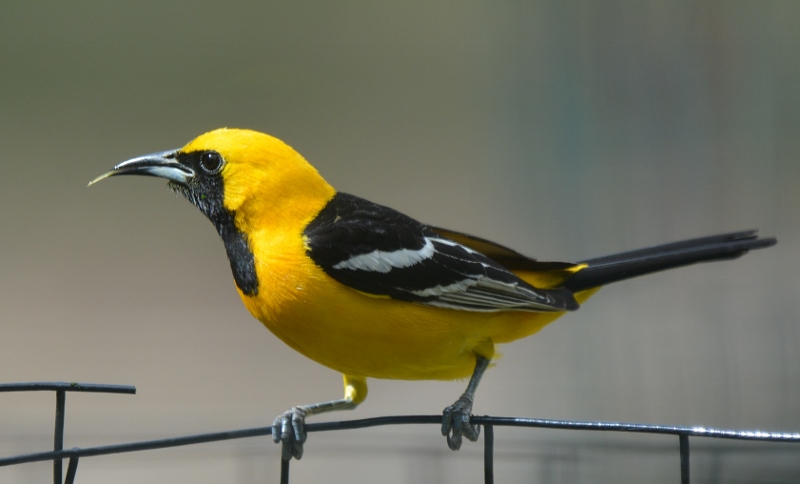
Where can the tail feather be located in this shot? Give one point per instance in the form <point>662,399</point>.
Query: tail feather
<point>617,267</point>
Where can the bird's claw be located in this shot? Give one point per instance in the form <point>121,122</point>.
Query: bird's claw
<point>289,429</point>
<point>456,423</point>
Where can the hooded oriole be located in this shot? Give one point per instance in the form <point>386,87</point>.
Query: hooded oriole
<point>370,292</point>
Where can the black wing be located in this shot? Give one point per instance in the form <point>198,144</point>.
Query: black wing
<point>380,251</point>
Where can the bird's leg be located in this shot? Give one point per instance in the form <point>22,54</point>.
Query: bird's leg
<point>289,427</point>
<point>455,419</point>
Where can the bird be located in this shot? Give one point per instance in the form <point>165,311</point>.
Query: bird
<point>372,293</point>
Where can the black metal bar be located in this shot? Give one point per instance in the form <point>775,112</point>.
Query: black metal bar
<point>488,454</point>
<point>405,420</point>
<point>756,435</point>
<point>684,444</point>
<point>402,420</point>
<point>136,446</point>
<point>72,468</point>
<point>285,470</point>
<point>58,439</point>
<point>67,387</point>
<point>488,422</point>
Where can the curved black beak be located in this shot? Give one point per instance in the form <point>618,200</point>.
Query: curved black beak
<point>163,165</point>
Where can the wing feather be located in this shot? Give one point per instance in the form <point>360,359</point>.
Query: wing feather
<point>380,251</point>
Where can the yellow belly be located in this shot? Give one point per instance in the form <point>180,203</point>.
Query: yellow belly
<point>366,336</point>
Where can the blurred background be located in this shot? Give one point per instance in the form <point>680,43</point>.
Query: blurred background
<point>564,129</point>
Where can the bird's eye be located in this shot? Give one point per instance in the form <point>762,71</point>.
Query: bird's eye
<point>211,161</point>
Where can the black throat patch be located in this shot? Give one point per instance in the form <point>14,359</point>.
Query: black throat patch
<point>240,255</point>
<point>205,192</point>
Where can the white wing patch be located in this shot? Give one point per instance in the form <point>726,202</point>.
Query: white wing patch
<point>475,291</point>
<point>377,250</point>
<point>485,295</point>
<point>437,291</point>
<point>380,261</point>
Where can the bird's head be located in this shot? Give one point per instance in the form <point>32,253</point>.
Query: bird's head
<point>236,171</point>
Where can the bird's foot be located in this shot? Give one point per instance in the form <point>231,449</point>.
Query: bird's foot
<point>455,422</point>
<point>289,429</point>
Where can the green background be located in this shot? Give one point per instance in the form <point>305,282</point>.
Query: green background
<point>564,129</point>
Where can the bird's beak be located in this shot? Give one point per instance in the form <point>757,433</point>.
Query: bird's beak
<point>162,165</point>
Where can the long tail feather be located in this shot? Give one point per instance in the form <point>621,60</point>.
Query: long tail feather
<point>617,267</point>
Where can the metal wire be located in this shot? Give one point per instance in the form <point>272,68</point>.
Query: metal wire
<point>488,454</point>
<point>67,387</point>
<point>684,450</point>
<point>488,422</point>
<point>61,389</point>
<point>58,444</point>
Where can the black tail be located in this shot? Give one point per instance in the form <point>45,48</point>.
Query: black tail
<point>613,268</point>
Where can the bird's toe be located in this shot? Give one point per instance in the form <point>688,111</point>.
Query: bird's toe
<point>456,423</point>
<point>289,429</point>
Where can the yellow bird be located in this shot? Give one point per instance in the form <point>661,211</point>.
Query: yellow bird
<point>370,292</point>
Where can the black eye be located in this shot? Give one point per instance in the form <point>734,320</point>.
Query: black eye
<point>211,161</point>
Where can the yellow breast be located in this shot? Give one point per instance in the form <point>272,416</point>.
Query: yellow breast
<point>361,335</point>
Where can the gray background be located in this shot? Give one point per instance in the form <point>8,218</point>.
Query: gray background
<point>564,129</point>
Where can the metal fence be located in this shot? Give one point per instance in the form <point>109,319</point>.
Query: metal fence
<point>58,454</point>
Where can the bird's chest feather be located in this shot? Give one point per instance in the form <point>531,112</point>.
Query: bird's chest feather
<point>352,332</point>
